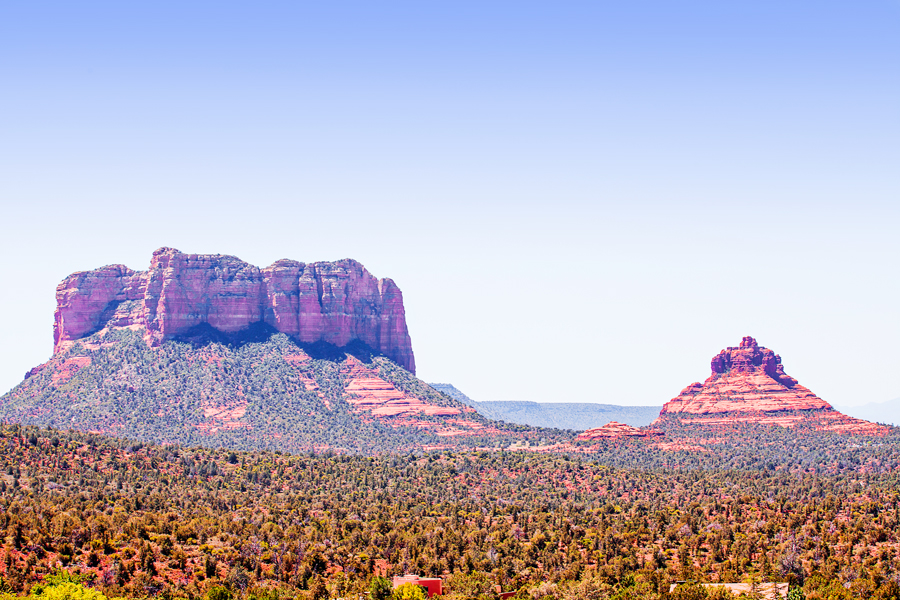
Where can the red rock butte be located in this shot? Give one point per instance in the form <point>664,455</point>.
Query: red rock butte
<point>334,302</point>
<point>748,383</point>
<point>745,377</point>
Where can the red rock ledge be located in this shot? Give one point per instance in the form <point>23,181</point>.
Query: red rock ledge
<point>614,429</point>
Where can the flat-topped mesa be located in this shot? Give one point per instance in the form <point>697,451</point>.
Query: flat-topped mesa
<point>334,302</point>
<point>745,378</point>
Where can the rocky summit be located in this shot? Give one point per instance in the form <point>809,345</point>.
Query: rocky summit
<point>748,384</point>
<point>332,302</point>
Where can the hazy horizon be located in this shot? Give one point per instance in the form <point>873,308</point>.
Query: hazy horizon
<point>580,203</point>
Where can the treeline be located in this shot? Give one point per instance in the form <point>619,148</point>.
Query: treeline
<point>754,447</point>
<point>139,520</point>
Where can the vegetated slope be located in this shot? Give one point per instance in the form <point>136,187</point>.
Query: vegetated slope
<point>168,521</point>
<point>253,389</point>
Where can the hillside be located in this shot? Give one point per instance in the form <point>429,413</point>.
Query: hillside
<point>261,389</point>
<point>205,349</point>
<point>256,389</point>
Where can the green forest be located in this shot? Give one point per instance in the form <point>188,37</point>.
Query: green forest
<point>89,516</point>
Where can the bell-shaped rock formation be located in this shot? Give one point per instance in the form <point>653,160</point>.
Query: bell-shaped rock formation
<point>334,302</point>
<point>748,384</point>
<point>745,378</point>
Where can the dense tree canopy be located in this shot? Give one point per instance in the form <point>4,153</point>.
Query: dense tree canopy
<point>144,520</point>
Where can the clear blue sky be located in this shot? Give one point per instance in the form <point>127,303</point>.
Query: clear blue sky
<point>580,201</point>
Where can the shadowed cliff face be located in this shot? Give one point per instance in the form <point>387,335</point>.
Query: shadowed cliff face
<point>333,302</point>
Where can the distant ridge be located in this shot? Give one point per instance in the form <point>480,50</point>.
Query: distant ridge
<point>452,391</point>
<point>577,416</point>
<point>879,412</point>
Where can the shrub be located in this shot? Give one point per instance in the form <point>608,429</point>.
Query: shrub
<point>380,588</point>
<point>410,591</point>
<point>689,591</point>
<point>68,591</point>
<point>218,592</point>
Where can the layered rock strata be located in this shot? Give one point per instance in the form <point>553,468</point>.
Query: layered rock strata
<point>334,302</point>
<point>366,391</point>
<point>746,377</point>
<point>748,385</point>
<point>616,430</point>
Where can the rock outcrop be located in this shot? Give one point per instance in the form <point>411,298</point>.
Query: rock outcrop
<point>748,385</point>
<point>616,430</point>
<point>334,302</point>
<point>366,391</point>
<point>745,378</point>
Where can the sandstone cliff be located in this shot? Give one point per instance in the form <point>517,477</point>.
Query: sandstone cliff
<point>334,302</point>
<point>745,377</point>
<point>748,384</point>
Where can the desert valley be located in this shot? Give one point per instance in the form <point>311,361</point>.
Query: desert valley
<point>210,429</point>
<point>449,300</point>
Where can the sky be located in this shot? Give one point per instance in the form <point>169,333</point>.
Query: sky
<point>581,201</point>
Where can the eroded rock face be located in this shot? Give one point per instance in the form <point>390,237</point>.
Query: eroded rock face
<point>745,378</point>
<point>334,302</point>
<point>615,430</point>
<point>748,384</point>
